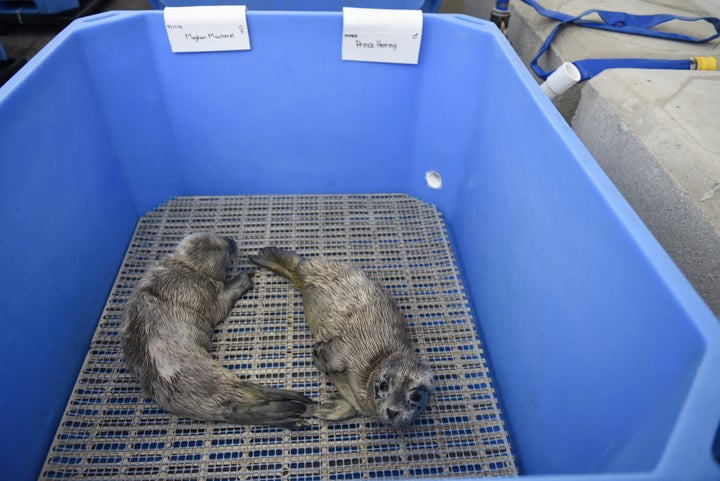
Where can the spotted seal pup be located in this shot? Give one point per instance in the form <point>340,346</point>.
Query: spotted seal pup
<point>362,340</point>
<point>166,338</point>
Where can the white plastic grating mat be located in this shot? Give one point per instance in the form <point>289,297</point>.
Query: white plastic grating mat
<point>110,431</point>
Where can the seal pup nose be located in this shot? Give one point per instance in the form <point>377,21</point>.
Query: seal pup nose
<point>392,414</point>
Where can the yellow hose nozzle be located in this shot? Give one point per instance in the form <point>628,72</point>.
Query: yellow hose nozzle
<point>704,63</point>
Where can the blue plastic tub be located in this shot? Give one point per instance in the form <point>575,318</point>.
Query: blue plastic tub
<point>607,361</point>
<point>37,7</point>
<point>428,6</point>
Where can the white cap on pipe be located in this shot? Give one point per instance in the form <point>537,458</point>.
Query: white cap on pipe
<point>561,80</point>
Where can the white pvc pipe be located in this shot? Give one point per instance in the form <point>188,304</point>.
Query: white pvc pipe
<point>561,80</point>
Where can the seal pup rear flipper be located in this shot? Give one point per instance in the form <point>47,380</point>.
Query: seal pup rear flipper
<point>274,407</point>
<point>205,390</point>
<point>280,262</point>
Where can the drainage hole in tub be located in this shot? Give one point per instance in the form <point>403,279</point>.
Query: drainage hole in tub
<point>433,179</point>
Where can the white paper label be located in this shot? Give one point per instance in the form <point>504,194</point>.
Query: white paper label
<point>381,35</point>
<point>207,29</point>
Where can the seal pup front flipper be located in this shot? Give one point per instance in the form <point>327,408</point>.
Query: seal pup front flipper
<point>325,359</point>
<point>335,408</point>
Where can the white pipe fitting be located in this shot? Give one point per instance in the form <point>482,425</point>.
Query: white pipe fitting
<point>561,80</point>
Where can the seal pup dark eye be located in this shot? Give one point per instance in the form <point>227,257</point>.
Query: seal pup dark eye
<point>383,387</point>
<point>418,396</point>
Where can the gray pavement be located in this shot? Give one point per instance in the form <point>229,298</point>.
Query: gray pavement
<point>656,133</point>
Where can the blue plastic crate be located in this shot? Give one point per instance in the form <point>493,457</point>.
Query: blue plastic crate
<point>429,6</point>
<point>606,360</point>
<point>37,7</point>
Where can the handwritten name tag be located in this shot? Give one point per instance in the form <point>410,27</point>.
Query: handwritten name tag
<point>381,35</point>
<point>207,29</point>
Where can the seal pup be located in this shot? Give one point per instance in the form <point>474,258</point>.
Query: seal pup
<point>362,340</point>
<point>166,338</point>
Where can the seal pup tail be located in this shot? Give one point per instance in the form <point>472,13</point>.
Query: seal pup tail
<point>279,261</point>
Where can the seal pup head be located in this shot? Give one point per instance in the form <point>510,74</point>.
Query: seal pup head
<point>207,253</point>
<point>400,388</point>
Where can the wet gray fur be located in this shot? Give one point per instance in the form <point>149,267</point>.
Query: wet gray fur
<point>362,340</point>
<point>166,337</point>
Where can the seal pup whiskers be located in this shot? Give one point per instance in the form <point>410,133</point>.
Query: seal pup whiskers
<point>166,338</point>
<point>362,340</point>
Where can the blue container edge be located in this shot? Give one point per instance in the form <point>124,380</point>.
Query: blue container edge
<point>697,399</point>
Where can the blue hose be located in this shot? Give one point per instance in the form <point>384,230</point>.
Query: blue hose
<point>620,22</point>
<point>591,67</point>
<point>502,5</point>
